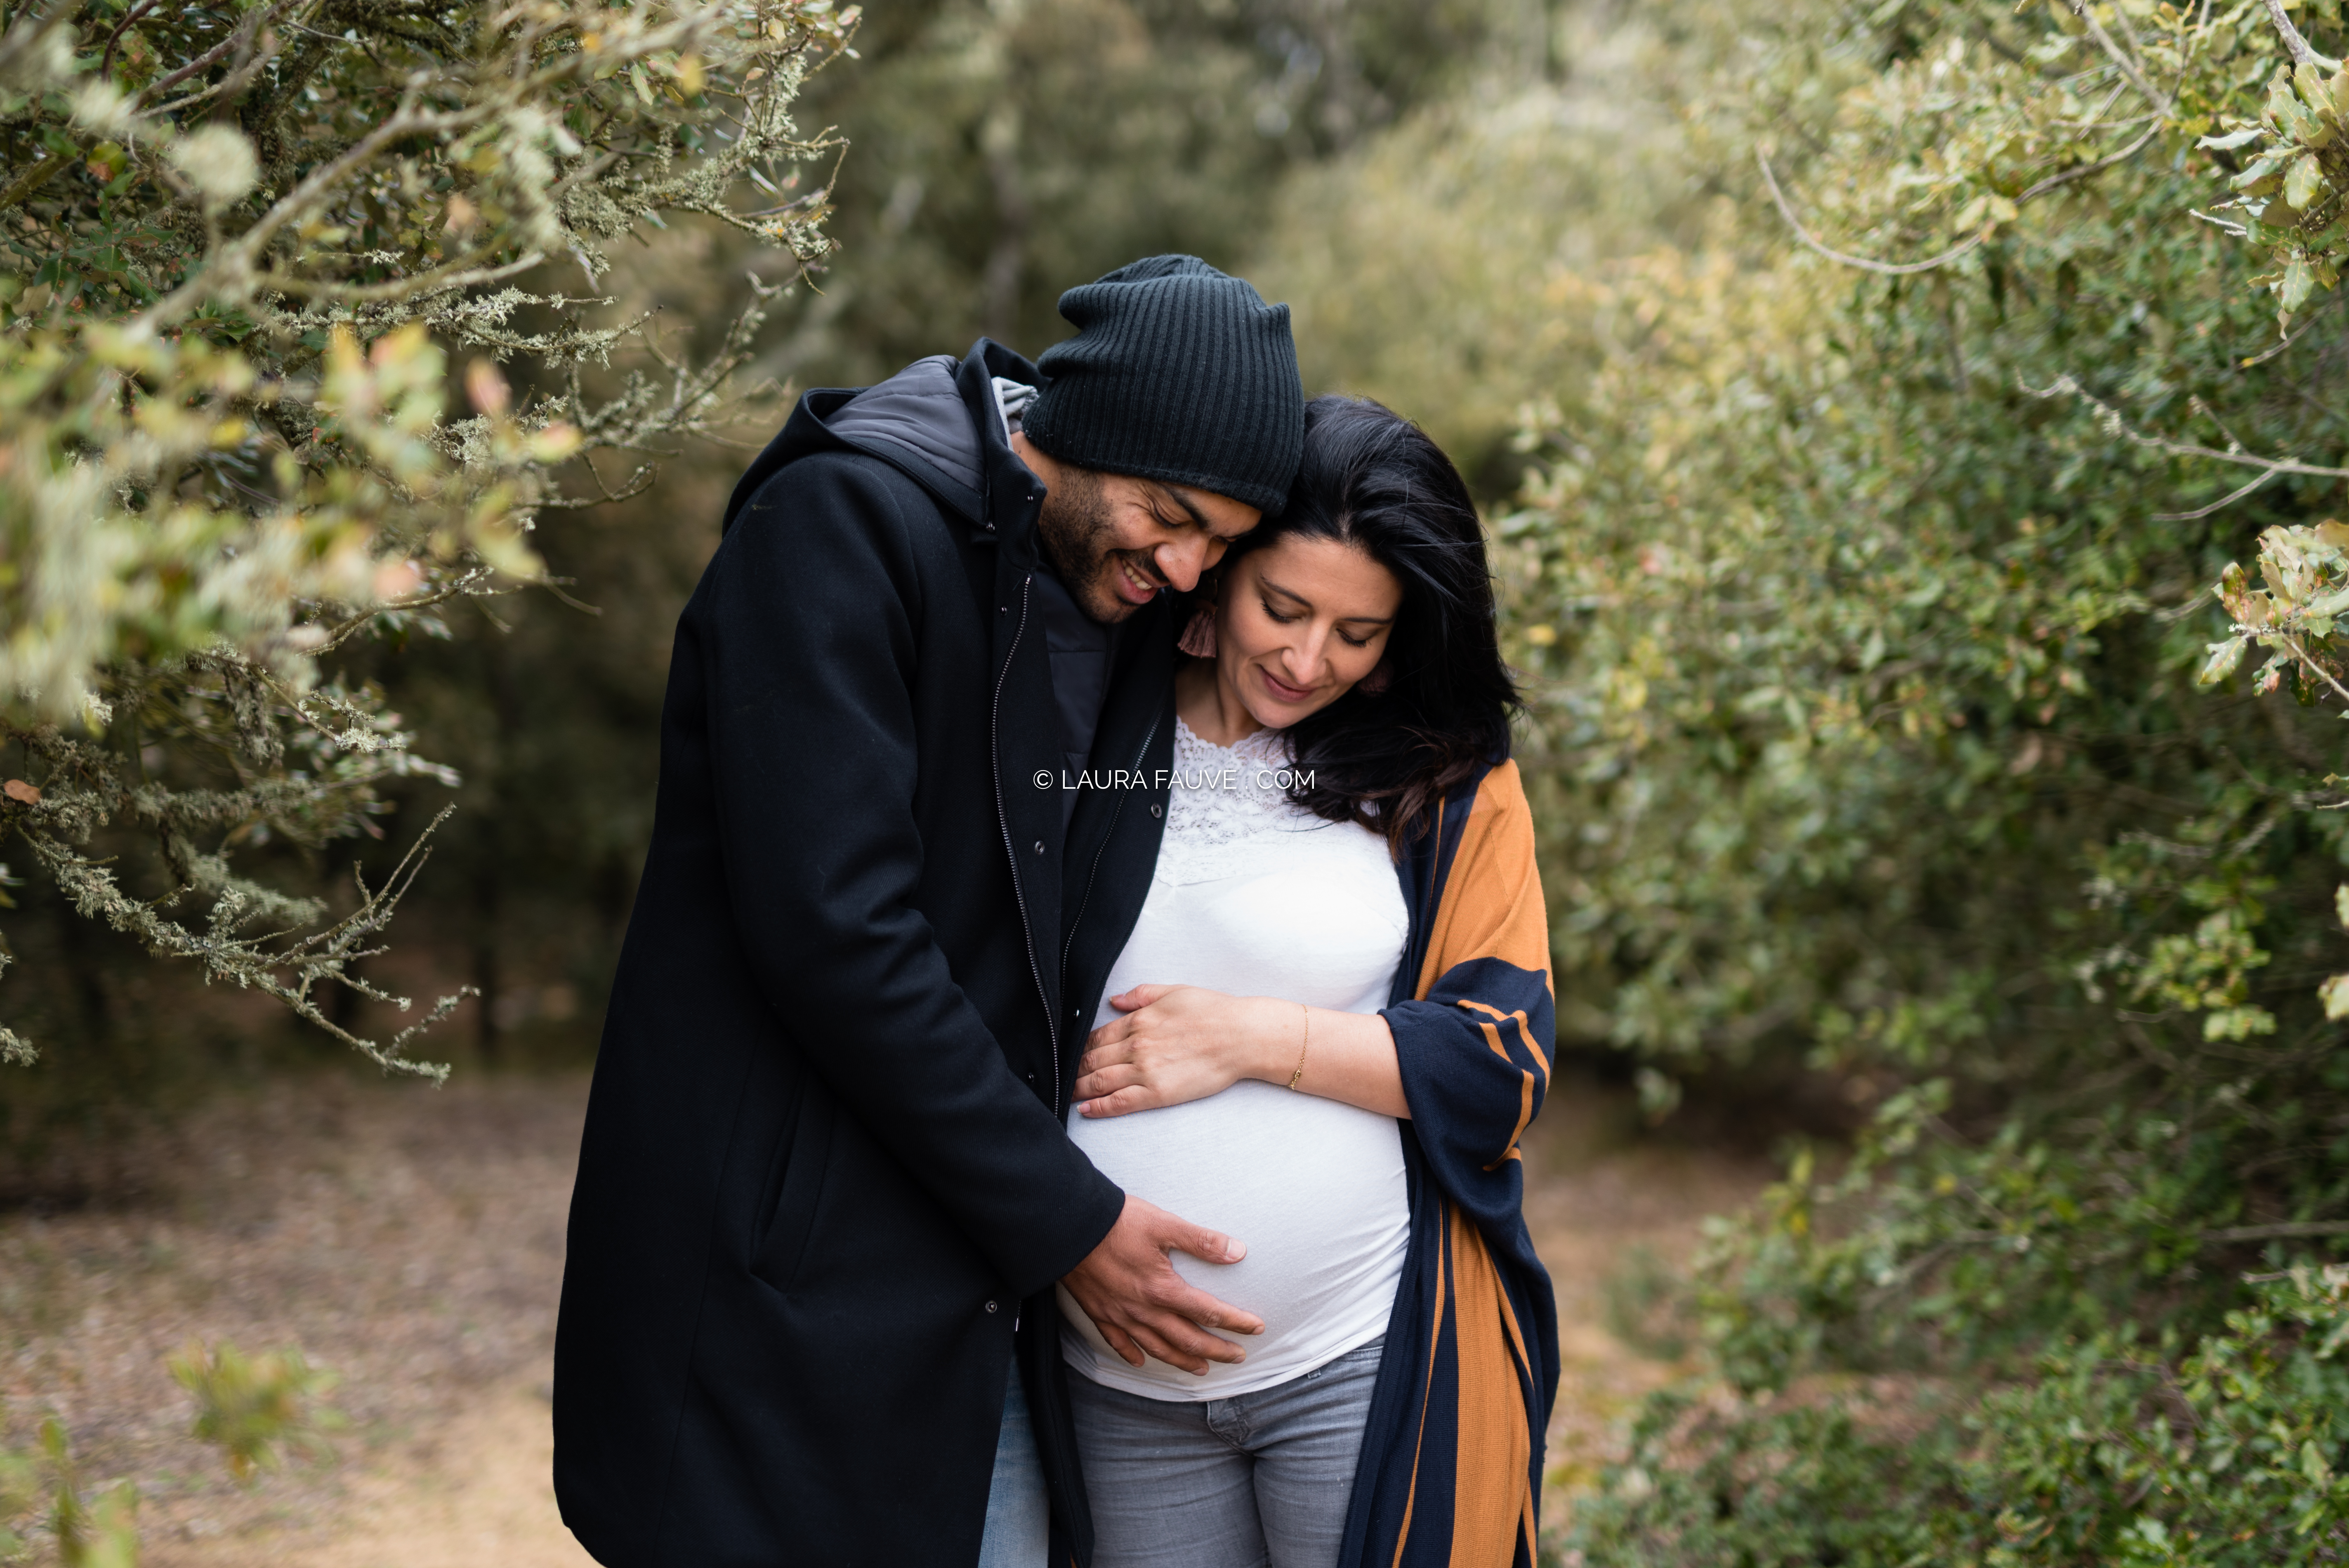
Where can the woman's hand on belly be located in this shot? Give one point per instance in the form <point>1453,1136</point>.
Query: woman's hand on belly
<point>1181,1043</point>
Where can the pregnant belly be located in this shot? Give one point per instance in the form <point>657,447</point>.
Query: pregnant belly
<point>1315,1190</point>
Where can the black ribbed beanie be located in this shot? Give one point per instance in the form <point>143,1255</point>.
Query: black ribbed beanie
<point>1179,373</point>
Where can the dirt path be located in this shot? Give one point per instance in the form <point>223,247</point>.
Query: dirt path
<point>479,1500</point>
<point>412,1240</point>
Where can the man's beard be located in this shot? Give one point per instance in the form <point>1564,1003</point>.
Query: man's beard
<point>1079,540</point>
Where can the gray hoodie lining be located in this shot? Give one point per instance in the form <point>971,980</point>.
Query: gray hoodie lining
<point>917,411</point>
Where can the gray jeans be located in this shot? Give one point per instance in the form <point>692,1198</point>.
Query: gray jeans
<point>1019,1532</point>
<point>1259,1480</point>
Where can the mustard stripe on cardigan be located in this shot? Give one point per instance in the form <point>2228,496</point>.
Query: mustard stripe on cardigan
<point>1451,1469</point>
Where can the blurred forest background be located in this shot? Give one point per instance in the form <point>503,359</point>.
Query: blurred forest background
<point>1867,402</point>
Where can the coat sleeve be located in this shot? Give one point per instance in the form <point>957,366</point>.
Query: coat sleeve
<point>808,629</point>
<point>1474,1043</point>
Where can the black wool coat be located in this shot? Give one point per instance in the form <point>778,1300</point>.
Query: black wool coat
<point>824,1170</point>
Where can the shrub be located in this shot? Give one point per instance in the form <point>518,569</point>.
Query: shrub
<point>1866,591</point>
<point>2224,1456</point>
<point>247,248</point>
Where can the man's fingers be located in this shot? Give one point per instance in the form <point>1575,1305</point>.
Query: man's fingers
<point>1171,1233</point>
<point>1192,1305</point>
<point>1159,1350</point>
<point>1199,1345</point>
<point>1172,1335</point>
<point>1179,1344</point>
<point>1207,1246</point>
<point>1139,1332</point>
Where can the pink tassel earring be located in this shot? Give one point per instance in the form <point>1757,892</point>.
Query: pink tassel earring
<point>1198,638</point>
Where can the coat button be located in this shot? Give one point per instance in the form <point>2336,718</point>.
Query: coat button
<point>1157,811</point>
<point>1039,846</point>
<point>990,1306</point>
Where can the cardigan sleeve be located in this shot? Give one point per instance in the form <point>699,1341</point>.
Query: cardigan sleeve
<point>1475,1042</point>
<point>1459,1480</point>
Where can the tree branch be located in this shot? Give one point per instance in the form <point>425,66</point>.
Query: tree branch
<point>2127,66</point>
<point>2114,423</point>
<point>2298,47</point>
<point>2085,170</point>
<point>2290,1229</point>
<point>40,174</point>
<point>105,61</point>
<point>1886,269</point>
<point>1904,269</point>
<point>250,27</point>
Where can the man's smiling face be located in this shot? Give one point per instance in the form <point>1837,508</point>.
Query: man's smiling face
<point>1115,540</point>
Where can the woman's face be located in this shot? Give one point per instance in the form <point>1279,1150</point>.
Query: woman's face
<point>1299,621</point>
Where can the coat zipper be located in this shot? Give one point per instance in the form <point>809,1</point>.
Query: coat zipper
<point>1092,875</point>
<point>1003,818</point>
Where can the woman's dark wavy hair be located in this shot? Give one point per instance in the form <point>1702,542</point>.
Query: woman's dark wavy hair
<point>1374,480</point>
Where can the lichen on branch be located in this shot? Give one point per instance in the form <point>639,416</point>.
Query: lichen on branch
<point>245,250</point>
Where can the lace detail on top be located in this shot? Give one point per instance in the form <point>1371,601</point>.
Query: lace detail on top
<point>1223,799</point>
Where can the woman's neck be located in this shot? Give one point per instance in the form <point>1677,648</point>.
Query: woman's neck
<point>1210,705</point>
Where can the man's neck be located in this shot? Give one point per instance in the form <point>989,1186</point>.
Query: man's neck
<point>1040,463</point>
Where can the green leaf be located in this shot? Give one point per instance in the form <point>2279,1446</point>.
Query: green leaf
<point>2314,90</point>
<point>2300,184</point>
<point>2282,102</point>
<point>2297,285</point>
<point>2225,656</point>
<point>2260,168</point>
<point>2233,139</point>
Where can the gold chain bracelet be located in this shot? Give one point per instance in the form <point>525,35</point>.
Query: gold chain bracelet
<point>1305,1046</point>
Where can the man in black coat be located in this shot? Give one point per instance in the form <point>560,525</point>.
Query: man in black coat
<point>824,1191</point>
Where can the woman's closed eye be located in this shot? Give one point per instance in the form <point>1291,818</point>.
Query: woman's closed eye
<point>1343,636</point>
<point>1282,618</point>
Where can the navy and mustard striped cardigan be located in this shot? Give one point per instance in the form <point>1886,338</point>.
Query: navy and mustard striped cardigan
<point>1450,1475</point>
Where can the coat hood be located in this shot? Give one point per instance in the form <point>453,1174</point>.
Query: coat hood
<point>936,421</point>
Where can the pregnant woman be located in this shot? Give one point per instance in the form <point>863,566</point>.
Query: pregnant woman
<point>1330,1026</point>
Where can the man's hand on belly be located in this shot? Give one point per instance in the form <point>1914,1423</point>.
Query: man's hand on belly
<point>1128,1286</point>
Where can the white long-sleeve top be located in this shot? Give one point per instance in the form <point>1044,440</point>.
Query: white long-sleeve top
<point>1255,897</point>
